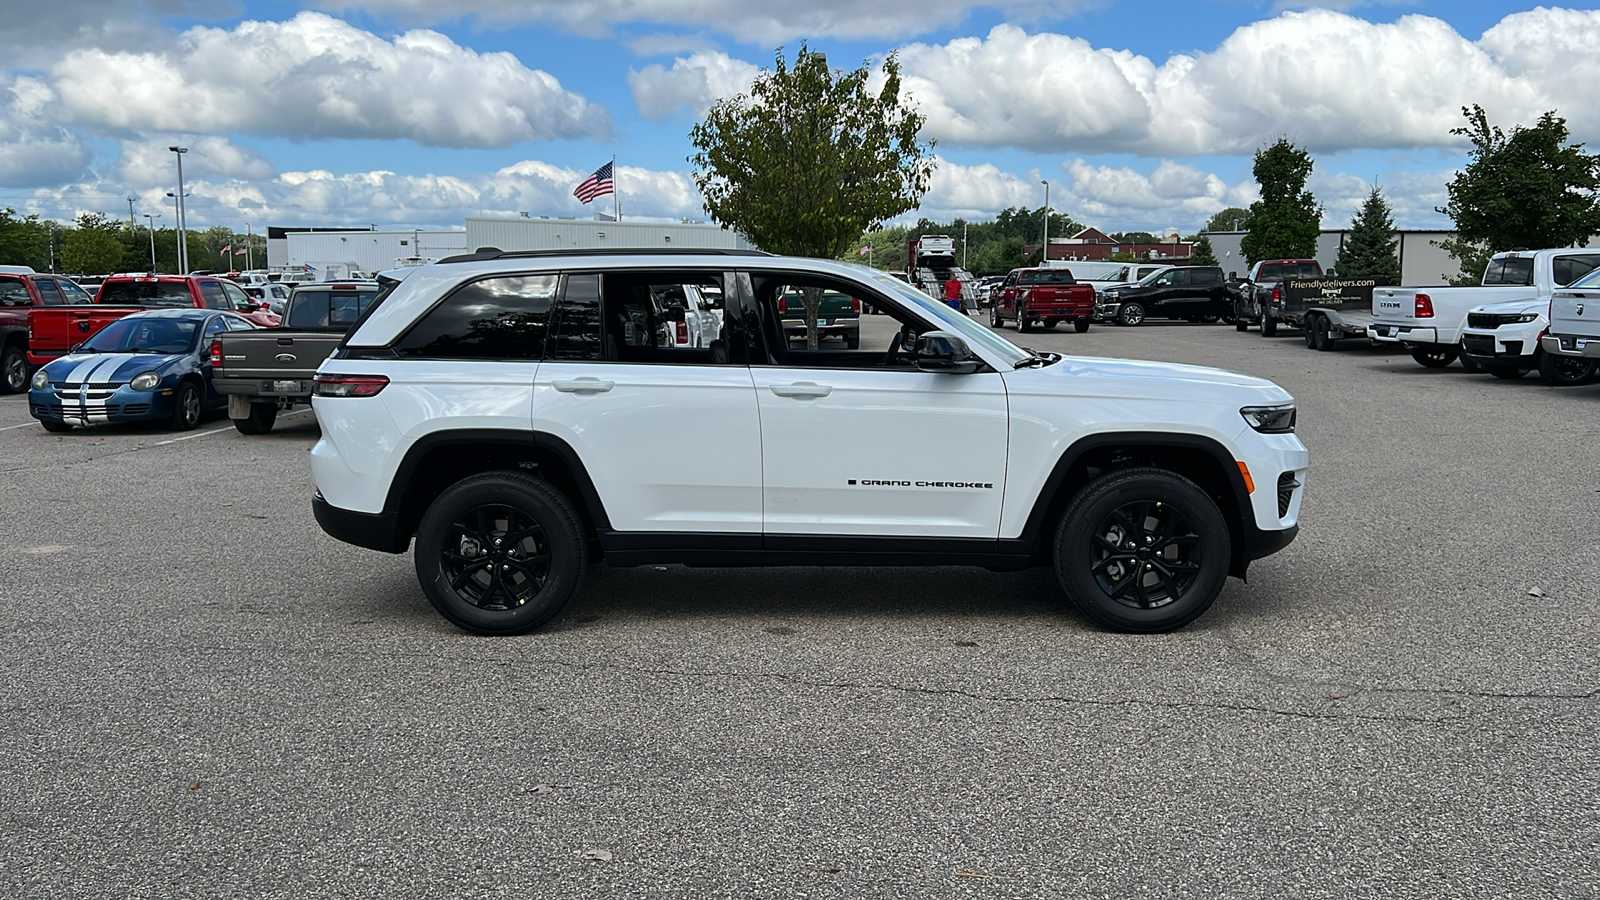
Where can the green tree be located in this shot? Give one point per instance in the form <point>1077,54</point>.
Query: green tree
<point>1529,188</point>
<point>1231,219</point>
<point>810,159</point>
<point>1285,222</point>
<point>1202,254</point>
<point>1369,248</point>
<point>93,247</point>
<point>24,240</point>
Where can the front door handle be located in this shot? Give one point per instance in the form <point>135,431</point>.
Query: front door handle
<point>801,389</point>
<point>584,385</point>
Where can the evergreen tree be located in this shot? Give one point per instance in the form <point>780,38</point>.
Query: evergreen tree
<point>1285,222</point>
<point>1202,254</point>
<point>1369,248</point>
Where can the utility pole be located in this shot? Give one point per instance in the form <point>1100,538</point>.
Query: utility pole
<point>964,243</point>
<point>249,248</point>
<point>152,226</point>
<point>183,221</point>
<point>1044,260</point>
<point>177,215</point>
<point>132,223</point>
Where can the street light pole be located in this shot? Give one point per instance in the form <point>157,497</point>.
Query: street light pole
<point>1044,260</point>
<point>177,216</point>
<point>152,226</point>
<point>183,222</point>
<point>963,243</point>
<point>249,248</point>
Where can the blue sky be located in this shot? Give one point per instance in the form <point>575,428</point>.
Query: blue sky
<point>406,113</point>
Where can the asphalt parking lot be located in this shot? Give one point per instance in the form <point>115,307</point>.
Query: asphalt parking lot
<point>204,696</point>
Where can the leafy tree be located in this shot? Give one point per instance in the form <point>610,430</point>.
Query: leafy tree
<point>1529,188</point>
<point>810,159</point>
<point>1135,237</point>
<point>1285,222</point>
<point>24,240</point>
<point>93,247</point>
<point>1202,254</point>
<point>1231,219</point>
<point>1369,248</point>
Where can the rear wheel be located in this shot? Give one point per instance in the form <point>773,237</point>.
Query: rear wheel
<point>1565,371</point>
<point>1269,326</point>
<point>1130,313</point>
<point>853,341</point>
<point>1322,335</point>
<point>260,420</point>
<point>1142,550</point>
<point>1023,325</point>
<point>1080,325</point>
<point>500,553</point>
<point>1434,356</point>
<point>13,370</point>
<point>185,407</point>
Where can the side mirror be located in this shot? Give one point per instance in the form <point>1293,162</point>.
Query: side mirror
<point>940,351</point>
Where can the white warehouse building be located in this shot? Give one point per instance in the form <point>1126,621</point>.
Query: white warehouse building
<point>367,251</point>
<point>546,233</point>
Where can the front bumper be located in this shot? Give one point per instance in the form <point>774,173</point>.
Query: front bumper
<point>101,407</point>
<point>1403,334</point>
<point>1569,345</point>
<point>1495,348</point>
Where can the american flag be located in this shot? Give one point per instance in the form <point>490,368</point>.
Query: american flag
<point>597,185</point>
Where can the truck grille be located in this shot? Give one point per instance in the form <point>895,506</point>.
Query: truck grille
<point>1286,488</point>
<point>1489,320</point>
<point>93,385</point>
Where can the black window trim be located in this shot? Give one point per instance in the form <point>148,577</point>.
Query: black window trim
<point>865,293</point>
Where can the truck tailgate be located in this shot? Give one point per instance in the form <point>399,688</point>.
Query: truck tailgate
<point>53,330</point>
<point>271,355</point>
<point>1575,312</point>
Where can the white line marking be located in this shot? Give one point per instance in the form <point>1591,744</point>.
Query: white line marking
<point>23,425</point>
<point>193,436</point>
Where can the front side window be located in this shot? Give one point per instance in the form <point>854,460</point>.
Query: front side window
<point>236,296</point>
<point>76,296</point>
<point>211,292</point>
<point>501,318</point>
<point>49,294</point>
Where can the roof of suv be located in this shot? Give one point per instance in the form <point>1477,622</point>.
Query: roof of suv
<point>487,253</point>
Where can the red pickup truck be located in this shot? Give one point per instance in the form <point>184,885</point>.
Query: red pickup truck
<point>22,289</point>
<point>1043,297</point>
<point>52,331</point>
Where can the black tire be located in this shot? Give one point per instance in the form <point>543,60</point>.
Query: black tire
<point>1240,324</point>
<point>994,317</point>
<point>1208,320</point>
<point>852,341</point>
<point>1049,323</point>
<point>1023,325</point>
<point>1434,356</point>
<point>1130,314</point>
<point>1081,326</point>
<point>1269,326</point>
<point>1305,329</point>
<point>1098,545</point>
<point>55,427</point>
<point>186,407</point>
<point>1468,363</point>
<point>1565,371</point>
<point>1322,335</point>
<point>456,550</point>
<point>1509,373</point>
<point>260,420</point>
<point>13,370</point>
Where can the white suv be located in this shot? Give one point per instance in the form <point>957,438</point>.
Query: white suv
<point>522,415</point>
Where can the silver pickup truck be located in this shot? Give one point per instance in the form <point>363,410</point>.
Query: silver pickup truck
<point>262,372</point>
<point>1572,343</point>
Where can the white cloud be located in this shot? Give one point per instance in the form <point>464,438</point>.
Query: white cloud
<point>765,23</point>
<point>691,85</point>
<point>1322,78</point>
<point>317,77</point>
<point>34,148</point>
<point>146,160</point>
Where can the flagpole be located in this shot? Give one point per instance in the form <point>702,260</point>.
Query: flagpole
<point>616,193</point>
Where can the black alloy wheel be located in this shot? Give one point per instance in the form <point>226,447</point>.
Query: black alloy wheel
<point>1142,550</point>
<point>1565,371</point>
<point>186,407</point>
<point>1434,356</point>
<point>13,371</point>
<point>1130,313</point>
<point>500,553</point>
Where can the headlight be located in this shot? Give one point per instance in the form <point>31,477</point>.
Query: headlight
<point>1527,317</point>
<point>40,380</point>
<point>1270,419</point>
<point>145,381</point>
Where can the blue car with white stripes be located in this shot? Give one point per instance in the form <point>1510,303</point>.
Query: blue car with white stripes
<point>152,365</point>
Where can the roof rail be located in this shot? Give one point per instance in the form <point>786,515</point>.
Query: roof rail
<point>486,253</point>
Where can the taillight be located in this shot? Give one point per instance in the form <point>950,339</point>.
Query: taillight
<point>1424,306</point>
<point>216,353</point>
<point>349,385</point>
<point>1277,296</point>
<point>855,305</point>
<point>782,306</point>
<point>683,332</point>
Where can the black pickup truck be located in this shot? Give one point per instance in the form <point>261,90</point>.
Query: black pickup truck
<point>264,371</point>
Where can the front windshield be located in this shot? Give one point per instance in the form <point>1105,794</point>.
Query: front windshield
<point>136,334</point>
<point>952,321</point>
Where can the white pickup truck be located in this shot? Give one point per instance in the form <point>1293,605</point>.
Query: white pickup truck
<point>1430,321</point>
<point>1572,344</point>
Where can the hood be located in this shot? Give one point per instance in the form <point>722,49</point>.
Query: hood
<point>1130,378</point>
<point>103,368</point>
<point>1514,307</point>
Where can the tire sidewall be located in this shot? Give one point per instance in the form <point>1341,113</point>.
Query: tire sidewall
<point>180,420</point>
<point>563,533</point>
<point>13,360</point>
<point>1131,314</point>
<point>1072,549</point>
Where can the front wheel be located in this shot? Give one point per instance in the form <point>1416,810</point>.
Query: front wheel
<point>1434,356</point>
<point>500,553</point>
<point>994,316</point>
<point>1080,325</point>
<point>185,407</point>
<point>260,420</point>
<point>1130,314</point>
<point>1142,550</point>
<point>13,371</point>
<point>1269,326</point>
<point>55,427</point>
<point>1565,371</point>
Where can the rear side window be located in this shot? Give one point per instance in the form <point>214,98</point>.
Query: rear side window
<point>496,318</point>
<point>49,294</point>
<point>315,308</point>
<point>14,293</point>
<point>1205,276</point>
<point>145,293</point>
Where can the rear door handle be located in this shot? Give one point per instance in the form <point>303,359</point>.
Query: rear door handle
<point>584,385</point>
<point>801,389</point>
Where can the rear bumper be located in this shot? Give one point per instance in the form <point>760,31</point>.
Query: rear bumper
<point>374,531</point>
<point>263,387</point>
<point>1568,345</point>
<point>1403,334</point>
